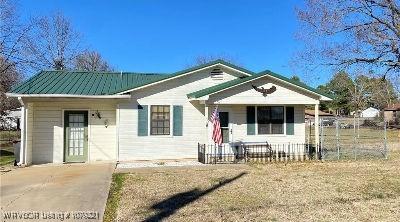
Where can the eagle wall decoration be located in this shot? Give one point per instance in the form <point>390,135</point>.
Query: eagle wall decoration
<point>264,91</point>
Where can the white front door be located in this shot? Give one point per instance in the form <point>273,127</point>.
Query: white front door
<point>226,126</point>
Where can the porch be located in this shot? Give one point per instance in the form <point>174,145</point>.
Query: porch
<point>262,133</point>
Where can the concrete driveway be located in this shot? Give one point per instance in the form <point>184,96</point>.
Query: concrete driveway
<point>74,190</point>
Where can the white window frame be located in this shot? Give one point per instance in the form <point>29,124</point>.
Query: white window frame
<point>230,122</point>
<point>284,121</point>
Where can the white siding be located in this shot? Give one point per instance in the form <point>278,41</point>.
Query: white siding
<point>173,92</point>
<point>245,94</point>
<point>48,137</point>
<point>239,130</point>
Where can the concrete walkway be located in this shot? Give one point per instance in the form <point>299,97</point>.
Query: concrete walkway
<point>57,190</point>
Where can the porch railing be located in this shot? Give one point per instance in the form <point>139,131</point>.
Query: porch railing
<point>255,152</point>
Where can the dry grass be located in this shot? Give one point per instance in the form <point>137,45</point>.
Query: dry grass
<point>330,191</point>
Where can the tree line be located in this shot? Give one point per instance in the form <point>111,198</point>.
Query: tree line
<point>358,93</point>
<point>39,43</point>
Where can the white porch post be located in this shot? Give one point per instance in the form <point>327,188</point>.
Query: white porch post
<point>316,129</point>
<point>117,131</point>
<point>23,127</point>
<point>23,142</point>
<point>206,122</point>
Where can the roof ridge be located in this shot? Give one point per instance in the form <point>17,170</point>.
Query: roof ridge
<point>105,72</point>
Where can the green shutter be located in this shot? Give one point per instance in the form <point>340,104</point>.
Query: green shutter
<point>289,120</point>
<point>251,120</point>
<point>143,120</point>
<point>178,120</point>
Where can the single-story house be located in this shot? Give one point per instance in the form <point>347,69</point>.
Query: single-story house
<point>75,116</point>
<point>392,112</point>
<point>370,112</point>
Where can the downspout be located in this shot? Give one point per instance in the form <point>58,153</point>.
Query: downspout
<point>22,149</point>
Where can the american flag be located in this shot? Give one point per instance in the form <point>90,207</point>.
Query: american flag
<point>216,136</point>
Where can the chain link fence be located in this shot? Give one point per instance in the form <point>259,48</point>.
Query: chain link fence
<point>353,137</point>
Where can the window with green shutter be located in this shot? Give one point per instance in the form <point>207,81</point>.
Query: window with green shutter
<point>142,120</point>
<point>178,120</point>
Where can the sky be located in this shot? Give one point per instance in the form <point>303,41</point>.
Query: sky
<point>166,36</point>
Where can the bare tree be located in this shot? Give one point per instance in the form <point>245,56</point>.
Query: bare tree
<point>359,99</point>
<point>12,35</point>
<point>8,78</point>
<point>351,34</point>
<point>52,43</point>
<point>203,59</point>
<point>91,61</point>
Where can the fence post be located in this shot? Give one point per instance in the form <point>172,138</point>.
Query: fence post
<point>215,154</point>
<point>322,139</point>
<point>354,138</point>
<point>337,139</point>
<point>385,140</point>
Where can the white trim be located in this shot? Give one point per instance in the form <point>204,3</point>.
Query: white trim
<point>180,75</point>
<point>322,97</point>
<point>70,96</point>
<point>117,122</point>
<point>207,96</point>
<point>89,124</point>
<point>22,149</point>
<point>271,135</point>
<point>228,110</point>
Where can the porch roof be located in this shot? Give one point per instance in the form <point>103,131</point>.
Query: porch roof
<point>235,82</point>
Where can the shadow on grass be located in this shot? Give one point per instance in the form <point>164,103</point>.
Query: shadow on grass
<point>6,153</point>
<point>169,206</point>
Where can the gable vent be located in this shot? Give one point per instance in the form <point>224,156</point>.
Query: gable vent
<point>216,74</point>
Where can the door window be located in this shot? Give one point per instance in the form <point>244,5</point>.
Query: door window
<point>224,120</point>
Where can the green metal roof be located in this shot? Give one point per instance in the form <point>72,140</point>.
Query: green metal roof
<point>225,85</point>
<point>83,83</point>
<point>99,83</point>
<point>218,61</point>
<point>111,83</point>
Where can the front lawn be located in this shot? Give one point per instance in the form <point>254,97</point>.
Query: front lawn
<point>6,146</point>
<point>6,157</point>
<point>366,190</point>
